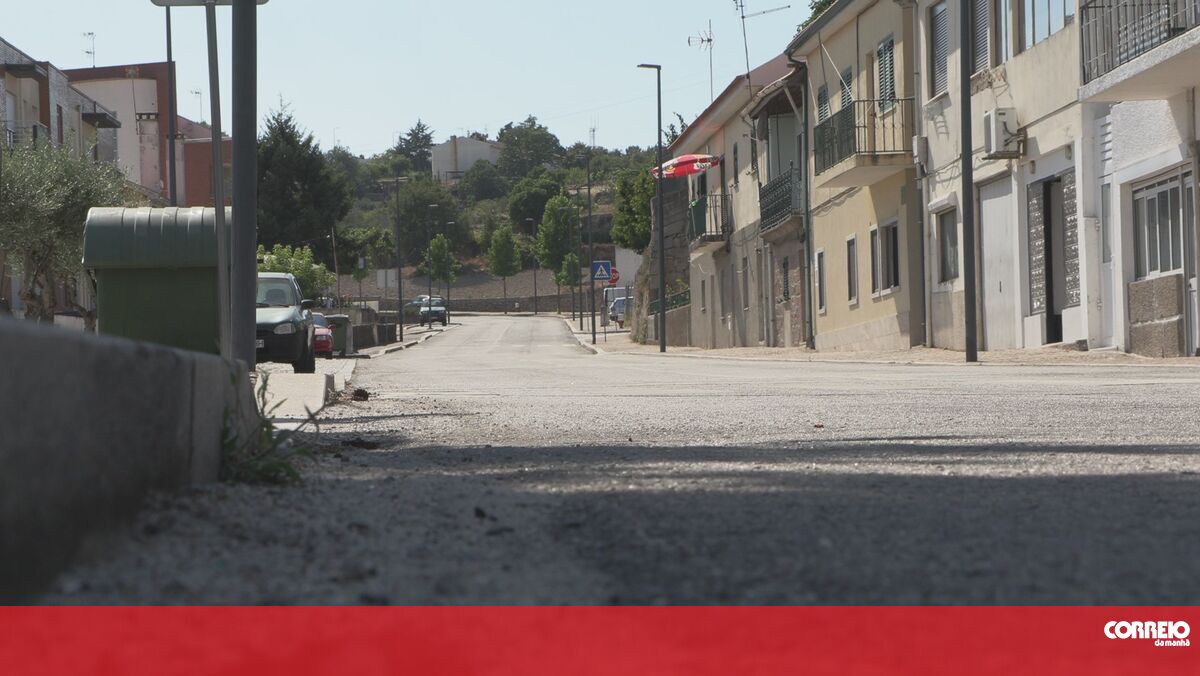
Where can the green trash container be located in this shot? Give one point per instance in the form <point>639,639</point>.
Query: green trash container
<point>156,274</point>
<point>343,336</point>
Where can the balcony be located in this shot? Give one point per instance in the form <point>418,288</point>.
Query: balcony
<point>710,222</point>
<point>781,200</point>
<point>1138,49</point>
<point>863,143</point>
<point>26,134</point>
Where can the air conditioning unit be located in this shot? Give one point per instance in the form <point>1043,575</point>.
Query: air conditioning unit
<point>1001,135</point>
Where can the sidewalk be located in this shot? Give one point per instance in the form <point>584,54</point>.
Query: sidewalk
<point>621,343</point>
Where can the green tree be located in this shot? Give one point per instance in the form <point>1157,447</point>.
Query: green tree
<point>529,197</point>
<point>440,260</point>
<point>557,235</point>
<point>45,194</point>
<point>502,258</point>
<point>526,145</point>
<point>419,222</point>
<point>300,195</point>
<point>485,217</point>
<point>815,9</point>
<point>312,276</point>
<point>568,276</point>
<point>631,215</point>
<point>482,182</point>
<point>377,245</point>
<point>417,146</point>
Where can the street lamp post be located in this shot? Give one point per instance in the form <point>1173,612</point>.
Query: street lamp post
<point>399,264</point>
<point>429,263</point>
<point>449,270</point>
<point>591,248</point>
<point>662,254</point>
<point>533,229</point>
<point>968,182</point>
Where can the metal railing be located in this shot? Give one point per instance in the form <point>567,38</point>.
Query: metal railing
<point>675,300</point>
<point>1115,32</point>
<point>26,133</point>
<point>781,198</point>
<point>867,127</point>
<point>711,218</point>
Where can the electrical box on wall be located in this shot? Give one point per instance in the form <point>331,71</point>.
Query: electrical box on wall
<point>1002,137</point>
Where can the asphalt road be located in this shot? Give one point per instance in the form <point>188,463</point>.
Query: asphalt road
<point>502,463</point>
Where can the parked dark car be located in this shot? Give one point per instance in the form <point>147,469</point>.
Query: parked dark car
<point>284,323</point>
<point>434,310</point>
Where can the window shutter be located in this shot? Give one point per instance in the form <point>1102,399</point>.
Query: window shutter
<point>940,43</point>
<point>979,41</point>
<point>822,103</point>
<point>845,81</point>
<point>887,73</point>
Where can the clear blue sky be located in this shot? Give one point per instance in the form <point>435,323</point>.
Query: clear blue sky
<point>359,71</point>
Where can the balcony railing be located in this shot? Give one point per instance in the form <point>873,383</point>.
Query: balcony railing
<point>711,218</point>
<point>675,300</point>
<point>781,198</point>
<point>865,127</point>
<point>1115,32</point>
<point>26,133</point>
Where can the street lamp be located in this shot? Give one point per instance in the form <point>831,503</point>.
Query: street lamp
<point>445,227</point>
<point>397,182</point>
<point>429,262</point>
<point>662,254</point>
<point>533,229</point>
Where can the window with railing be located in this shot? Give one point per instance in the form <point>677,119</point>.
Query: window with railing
<point>711,217</point>
<point>780,198</point>
<point>867,126</point>
<point>1115,32</point>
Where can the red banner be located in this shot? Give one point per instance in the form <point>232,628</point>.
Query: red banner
<point>584,640</point>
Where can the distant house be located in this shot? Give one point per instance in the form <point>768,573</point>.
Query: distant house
<point>454,157</point>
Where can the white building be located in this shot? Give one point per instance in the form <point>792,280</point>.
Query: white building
<point>454,157</point>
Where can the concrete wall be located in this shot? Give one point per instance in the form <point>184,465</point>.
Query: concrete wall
<point>1156,322</point>
<point>460,153</point>
<point>679,324</point>
<point>91,426</point>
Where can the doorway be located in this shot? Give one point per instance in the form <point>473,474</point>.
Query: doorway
<point>998,228</point>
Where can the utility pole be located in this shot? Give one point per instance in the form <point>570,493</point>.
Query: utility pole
<point>449,269</point>
<point>337,276</point>
<point>429,263</point>
<point>662,253</point>
<point>172,119</point>
<point>244,274</point>
<point>224,295</point>
<point>591,246</point>
<point>399,266</point>
<point>968,180</point>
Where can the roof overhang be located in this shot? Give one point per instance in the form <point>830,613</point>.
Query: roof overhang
<point>766,96</point>
<point>731,101</point>
<point>28,71</point>
<point>102,119</point>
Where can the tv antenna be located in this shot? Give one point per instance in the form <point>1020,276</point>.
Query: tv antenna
<point>705,42</point>
<point>199,102</point>
<point>91,52</point>
<point>740,6</point>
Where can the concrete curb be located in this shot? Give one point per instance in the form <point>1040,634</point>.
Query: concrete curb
<point>893,362</point>
<point>91,426</point>
<point>582,343</point>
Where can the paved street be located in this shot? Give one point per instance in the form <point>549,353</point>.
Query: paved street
<point>501,462</point>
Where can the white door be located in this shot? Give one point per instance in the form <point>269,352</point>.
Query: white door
<point>998,226</point>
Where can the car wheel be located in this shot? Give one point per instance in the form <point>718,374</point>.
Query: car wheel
<point>307,363</point>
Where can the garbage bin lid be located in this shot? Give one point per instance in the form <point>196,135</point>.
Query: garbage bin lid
<point>144,237</point>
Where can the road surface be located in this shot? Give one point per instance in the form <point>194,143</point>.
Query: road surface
<point>502,463</point>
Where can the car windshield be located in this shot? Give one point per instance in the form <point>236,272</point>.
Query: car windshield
<point>319,320</point>
<point>435,302</point>
<point>276,292</point>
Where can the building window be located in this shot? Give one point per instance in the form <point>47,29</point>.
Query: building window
<point>787,280</point>
<point>822,103</point>
<point>1043,18</point>
<point>1004,42</point>
<point>885,59</point>
<point>979,35</point>
<point>885,259</point>
<point>1158,222</point>
<point>820,281</point>
<point>845,82</point>
<point>939,51</point>
<point>736,168</point>
<point>947,222</point>
<point>852,269</point>
<point>703,296</point>
<point>745,283</point>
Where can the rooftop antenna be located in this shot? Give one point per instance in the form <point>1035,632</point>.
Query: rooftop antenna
<point>740,5</point>
<point>705,42</point>
<point>91,52</point>
<point>199,102</point>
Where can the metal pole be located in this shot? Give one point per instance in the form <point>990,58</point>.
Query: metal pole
<point>591,248</point>
<point>449,269</point>
<point>968,181</point>
<point>337,275</point>
<point>218,187</point>
<point>244,273</point>
<point>662,253</point>
<point>172,131</point>
<point>429,265</point>
<point>536,264</point>
<point>399,267</point>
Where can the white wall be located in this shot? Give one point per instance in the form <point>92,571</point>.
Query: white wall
<point>137,143</point>
<point>460,154</point>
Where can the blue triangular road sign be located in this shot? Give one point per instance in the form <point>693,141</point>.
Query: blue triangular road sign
<point>601,271</point>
